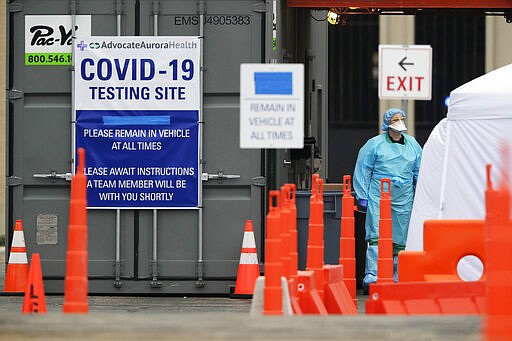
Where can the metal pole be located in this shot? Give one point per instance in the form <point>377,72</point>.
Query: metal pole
<point>408,119</point>
<point>119,11</point>
<point>405,103</point>
<point>200,282</point>
<point>154,263</point>
<point>155,18</point>
<point>73,113</point>
<point>117,281</point>
<point>117,266</point>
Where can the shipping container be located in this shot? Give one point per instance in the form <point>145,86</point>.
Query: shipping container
<point>178,246</point>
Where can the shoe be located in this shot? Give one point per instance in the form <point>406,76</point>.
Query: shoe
<point>366,288</point>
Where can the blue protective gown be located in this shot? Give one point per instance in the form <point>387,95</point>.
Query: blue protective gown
<point>381,158</point>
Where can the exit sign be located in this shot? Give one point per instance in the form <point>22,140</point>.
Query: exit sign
<point>405,72</point>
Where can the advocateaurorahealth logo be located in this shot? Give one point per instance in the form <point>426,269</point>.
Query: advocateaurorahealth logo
<point>81,45</point>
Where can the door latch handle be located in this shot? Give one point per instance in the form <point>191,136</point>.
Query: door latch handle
<point>220,176</point>
<point>54,175</point>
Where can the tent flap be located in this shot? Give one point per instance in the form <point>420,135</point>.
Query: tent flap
<point>452,178</point>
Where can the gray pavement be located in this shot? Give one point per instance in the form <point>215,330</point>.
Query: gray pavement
<point>214,318</point>
<point>231,326</point>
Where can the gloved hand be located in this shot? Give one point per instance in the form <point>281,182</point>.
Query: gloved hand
<point>363,204</point>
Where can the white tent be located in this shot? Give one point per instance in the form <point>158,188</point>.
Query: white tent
<point>452,179</point>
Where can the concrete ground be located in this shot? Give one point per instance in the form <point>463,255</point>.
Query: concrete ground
<point>212,318</point>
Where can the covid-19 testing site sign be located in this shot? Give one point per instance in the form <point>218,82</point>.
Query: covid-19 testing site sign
<point>137,102</point>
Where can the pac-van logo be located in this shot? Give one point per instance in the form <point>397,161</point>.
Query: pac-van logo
<point>43,35</point>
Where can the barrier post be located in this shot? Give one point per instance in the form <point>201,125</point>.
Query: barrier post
<point>293,264</point>
<point>385,260</point>
<point>294,255</point>
<point>498,243</point>
<point>284,205</point>
<point>315,253</point>
<point>347,238</point>
<point>273,292</point>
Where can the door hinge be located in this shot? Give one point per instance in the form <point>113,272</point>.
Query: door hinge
<point>74,6</point>
<point>14,181</point>
<point>15,7</point>
<point>13,94</point>
<point>259,181</point>
<point>260,7</point>
<point>119,6</point>
<point>201,7</point>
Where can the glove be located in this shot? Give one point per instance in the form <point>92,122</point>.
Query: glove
<point>363,203</point>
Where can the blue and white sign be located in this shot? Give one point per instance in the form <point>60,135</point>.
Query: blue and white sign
<point>271,106</point>
<point>137,102</point>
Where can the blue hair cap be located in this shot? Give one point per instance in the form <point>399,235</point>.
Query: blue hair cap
<point>387,117</point>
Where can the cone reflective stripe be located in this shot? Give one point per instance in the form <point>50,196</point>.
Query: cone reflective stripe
<point>17,268</point>
<point>248,254</point>
<point>248,267</point>
<point>248,257</point>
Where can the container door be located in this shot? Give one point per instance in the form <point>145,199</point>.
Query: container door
<point>39,154</point>
<point>232,178</point>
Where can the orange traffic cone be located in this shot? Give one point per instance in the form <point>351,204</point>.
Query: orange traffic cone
<point>34,301</point>
<point>248,268</point>
<point>17,268</point>
<point>76,282</point>
<point>273,288</point>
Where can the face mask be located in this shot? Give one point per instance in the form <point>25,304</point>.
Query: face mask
<point>398,126</point>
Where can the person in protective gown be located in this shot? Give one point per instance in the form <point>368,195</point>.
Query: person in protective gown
<point>397,156</point>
